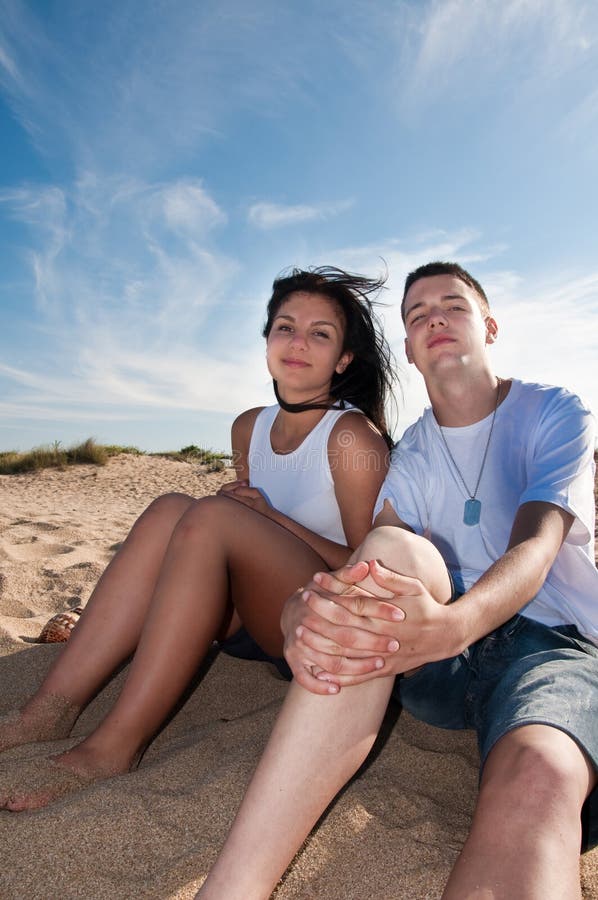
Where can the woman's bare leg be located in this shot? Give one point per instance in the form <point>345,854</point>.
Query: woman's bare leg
<point>218,546</point>
<point>318,743</point>
<point>106,634</point>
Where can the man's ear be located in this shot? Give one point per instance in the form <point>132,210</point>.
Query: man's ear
<point>408,353</point>
<point>491,330</point>
<point>343,362</point>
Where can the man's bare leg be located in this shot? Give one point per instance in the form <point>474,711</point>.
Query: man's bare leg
<point>525,838</point>
<point>317,744</point>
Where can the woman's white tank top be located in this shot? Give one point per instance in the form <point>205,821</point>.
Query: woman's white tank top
<point>300,483</point>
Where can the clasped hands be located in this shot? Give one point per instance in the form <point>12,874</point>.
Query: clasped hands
<point>249,496</point>
<point>339,634</point>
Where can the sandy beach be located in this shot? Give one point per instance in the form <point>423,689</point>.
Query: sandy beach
<point>392,835</point>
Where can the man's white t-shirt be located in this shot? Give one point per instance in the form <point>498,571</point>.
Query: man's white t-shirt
<point>541,448</point>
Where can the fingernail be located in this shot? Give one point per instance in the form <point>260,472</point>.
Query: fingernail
<point>398,615</point>
<point>393,646</point>
<point>318,578</point>
<point>305,595</point>
<point>333,688</point>
<point>379,663</point>
<point>299,631</point>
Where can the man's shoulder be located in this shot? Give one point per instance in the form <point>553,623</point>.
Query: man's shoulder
<point>546,400</point>
<point>414,447</point>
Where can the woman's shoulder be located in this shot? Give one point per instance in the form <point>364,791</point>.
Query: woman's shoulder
<point>249,416</point>
<point>243,425</point>
<point>354,431</point>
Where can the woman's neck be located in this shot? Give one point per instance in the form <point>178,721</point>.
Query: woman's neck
<point>289,430</point>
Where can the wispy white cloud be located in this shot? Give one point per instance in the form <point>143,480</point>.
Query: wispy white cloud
<point>449,46</point>
<point>125,332</point>
<point>277,215</point>
<point>548,331</point>
<point>139,85</point>
<point>548,324</point>
<point>9,65</point>
<point>127,277</point>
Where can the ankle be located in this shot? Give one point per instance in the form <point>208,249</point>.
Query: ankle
<point>49,715</point>
<point>104,755</point>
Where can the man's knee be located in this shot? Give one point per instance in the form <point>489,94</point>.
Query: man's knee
<point>535,768</point>
<point>392,545</point>
<point>411,555</point>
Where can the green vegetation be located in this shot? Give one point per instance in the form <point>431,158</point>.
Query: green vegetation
<point>92,453</point>
<point>215,461</point>
<point>115,449</point>
<point>53,456</point>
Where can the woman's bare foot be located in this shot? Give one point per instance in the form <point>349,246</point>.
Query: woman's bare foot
<point>38,782</point>
<point>45,718</point>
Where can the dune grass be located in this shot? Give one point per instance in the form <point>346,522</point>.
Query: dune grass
<point>90,452</point>
<point>52,456</point>
<point>214,460</point>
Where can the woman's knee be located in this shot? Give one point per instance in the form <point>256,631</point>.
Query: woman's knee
<point>206,513</point>
<point>162,515</point>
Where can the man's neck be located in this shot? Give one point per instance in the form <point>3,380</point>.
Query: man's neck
<point>464,401</point>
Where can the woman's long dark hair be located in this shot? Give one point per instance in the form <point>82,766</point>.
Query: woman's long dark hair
<point>368,380</point>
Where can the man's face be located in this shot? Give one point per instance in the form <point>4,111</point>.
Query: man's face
<point>445,325</point>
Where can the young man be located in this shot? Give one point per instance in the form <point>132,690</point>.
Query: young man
<point>493,485</point>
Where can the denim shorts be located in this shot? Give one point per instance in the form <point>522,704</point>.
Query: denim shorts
<point>243,646</point>
<point>522,673</point>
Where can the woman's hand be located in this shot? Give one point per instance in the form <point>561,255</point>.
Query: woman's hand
<point>248,496</point>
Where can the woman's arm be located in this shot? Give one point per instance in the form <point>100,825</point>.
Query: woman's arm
<point>240,438</point>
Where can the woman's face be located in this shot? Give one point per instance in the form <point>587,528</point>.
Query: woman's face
<point>305,346</point>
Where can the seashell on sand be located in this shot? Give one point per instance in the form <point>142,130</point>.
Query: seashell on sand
<point>58,628</point>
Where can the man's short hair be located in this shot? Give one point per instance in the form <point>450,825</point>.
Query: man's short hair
<point>446,268</point>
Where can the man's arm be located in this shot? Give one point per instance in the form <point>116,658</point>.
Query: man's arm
<point>429,631</point>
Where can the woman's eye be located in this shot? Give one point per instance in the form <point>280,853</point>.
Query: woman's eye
<point>323,334</point>
<point>284,328</point>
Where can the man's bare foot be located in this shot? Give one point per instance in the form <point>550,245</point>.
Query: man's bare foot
<point>46,718</point>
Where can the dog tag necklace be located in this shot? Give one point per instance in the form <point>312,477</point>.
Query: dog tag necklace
<point>473,507</point>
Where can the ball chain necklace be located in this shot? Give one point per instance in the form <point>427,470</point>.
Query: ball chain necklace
<point>473,507</point>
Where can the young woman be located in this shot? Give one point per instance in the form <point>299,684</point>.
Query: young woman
<point>192,571</point>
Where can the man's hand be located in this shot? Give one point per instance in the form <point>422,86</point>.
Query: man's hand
<point>352,635</point>
<point>430,630</point>
<point>335,636</point>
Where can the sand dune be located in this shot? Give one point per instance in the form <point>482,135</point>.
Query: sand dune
<point>393,834</point>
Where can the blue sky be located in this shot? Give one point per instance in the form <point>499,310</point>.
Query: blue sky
<point>162,162</point>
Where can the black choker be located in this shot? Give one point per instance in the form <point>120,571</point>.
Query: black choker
<point>304,407</point>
